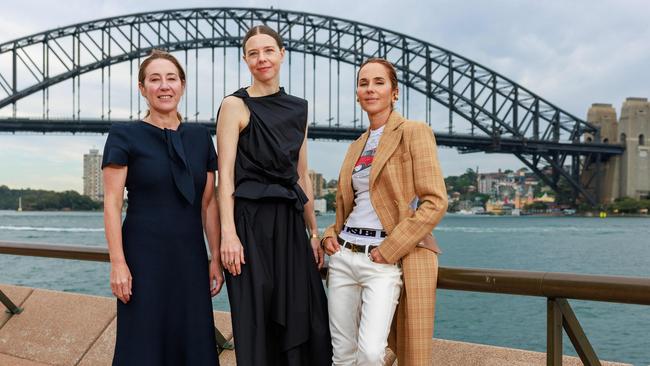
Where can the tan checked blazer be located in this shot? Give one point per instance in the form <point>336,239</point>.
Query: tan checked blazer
<point>405,166</point>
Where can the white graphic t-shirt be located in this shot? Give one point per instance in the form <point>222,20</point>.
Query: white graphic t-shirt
<point>363,215</point>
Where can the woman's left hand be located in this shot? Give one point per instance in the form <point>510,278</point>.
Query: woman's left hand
<point>375,256</point>
<point>216,276</point>
<point>319,256</point>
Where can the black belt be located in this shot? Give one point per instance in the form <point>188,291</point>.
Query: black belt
<point>355,248</point>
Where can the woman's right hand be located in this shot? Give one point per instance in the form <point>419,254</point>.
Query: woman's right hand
<point>330,245</point>
<point>232,254</point>
<point>121,281</point>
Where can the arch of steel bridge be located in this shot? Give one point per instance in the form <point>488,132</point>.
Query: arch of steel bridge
<point>489,101</point>
<point>503,116</point>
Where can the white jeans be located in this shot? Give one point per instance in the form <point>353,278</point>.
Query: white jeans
<point>362,297</point>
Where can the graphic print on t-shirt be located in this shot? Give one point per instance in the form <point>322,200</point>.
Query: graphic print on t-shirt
<point>362,166</point>
<point>363,215</point>
<point>365,160</point>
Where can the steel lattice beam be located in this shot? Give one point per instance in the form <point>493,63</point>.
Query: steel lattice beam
<point>511,118</point>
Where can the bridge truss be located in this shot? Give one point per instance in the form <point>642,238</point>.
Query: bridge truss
<point>469,106</point>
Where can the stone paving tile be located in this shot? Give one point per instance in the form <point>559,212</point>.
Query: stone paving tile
<point>222,322</point>
<point>17,295</point>
<point>6,360</point>
<point>56,327</point>
<point>227,358</point>
<point>101,352</point>
<point>470,354</point>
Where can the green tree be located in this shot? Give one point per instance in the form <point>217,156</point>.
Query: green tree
<point>627,205</point>
<point>330,198</point>
<point>332,183</point>
<point>37,200</point>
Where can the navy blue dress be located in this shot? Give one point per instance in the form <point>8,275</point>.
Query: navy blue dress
<point>169,319</point>
<point>278,304</point>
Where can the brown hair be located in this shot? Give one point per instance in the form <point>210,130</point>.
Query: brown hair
<point>155,55</point>
<point>262,29</point>
<point>392,73</point>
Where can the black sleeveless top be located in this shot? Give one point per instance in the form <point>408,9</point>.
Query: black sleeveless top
<point>269,147</point>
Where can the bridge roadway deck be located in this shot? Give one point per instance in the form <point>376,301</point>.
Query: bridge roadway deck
<point>59,328</point>
<point>465,142</point>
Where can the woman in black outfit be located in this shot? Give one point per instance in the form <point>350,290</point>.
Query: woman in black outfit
<point>159,264</point>
<point>277,300</point>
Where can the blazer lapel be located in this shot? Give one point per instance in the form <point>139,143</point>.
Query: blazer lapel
<point>387,144</point>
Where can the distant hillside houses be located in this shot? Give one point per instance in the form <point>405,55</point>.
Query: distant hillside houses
<point>522,185</point>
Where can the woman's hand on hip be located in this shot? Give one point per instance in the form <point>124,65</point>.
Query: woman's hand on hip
<point>375,256</point>
<point>232,254</point>
<point>216,276</point>
<point>330,245</point>
<point>319,257</point>
<point>121,281</point>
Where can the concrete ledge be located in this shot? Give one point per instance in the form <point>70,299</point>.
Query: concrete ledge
<point>56,327</point>
<point>471,354</point>
<point>60,328</point>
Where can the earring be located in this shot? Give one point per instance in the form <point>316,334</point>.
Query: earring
<point>357,99</point>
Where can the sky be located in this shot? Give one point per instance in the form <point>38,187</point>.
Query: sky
<point>572,53</point>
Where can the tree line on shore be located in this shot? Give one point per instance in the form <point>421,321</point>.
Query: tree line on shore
<point>42,200</point>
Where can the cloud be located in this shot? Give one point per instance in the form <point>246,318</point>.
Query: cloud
<point>571,53</point>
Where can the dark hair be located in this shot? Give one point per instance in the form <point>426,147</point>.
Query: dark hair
<point>155,55</point>
<point>392,73</point>
<point>262,29</point>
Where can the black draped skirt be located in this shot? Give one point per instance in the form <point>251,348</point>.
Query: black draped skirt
<point>278,304</point>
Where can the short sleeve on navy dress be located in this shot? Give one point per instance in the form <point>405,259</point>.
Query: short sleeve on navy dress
<point>116,149</point>
<point>212,154</point>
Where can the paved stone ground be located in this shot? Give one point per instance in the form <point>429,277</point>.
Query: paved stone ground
<point>59,328</point>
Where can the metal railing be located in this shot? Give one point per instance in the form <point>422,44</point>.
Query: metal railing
<point>11,307</point>
<point>555,287</point>
<point>78,252</point>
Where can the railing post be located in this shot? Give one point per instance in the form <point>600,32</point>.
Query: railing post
<point>11,307</point>
<point>577,334</point>
<point>222,342</point>
<point>553,333</point>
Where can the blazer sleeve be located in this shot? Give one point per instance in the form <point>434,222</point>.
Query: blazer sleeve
<point>431,191</point>
<point>331,230</point>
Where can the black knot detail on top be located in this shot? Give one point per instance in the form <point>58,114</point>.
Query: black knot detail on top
<point>178,163</point>
<point>252,189</point>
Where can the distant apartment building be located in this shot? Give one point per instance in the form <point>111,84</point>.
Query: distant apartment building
<point>488,182</point>
<point>317,183</point>
<point>515,186</point>
<point>93,184</point>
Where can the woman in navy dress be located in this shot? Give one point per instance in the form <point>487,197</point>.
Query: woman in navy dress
<point>159,265</point>
<point>277,300</point>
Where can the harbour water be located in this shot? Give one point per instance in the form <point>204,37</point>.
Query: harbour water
<point>612,246</point>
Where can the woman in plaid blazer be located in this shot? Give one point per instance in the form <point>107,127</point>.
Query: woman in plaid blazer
<point>391,194</point>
